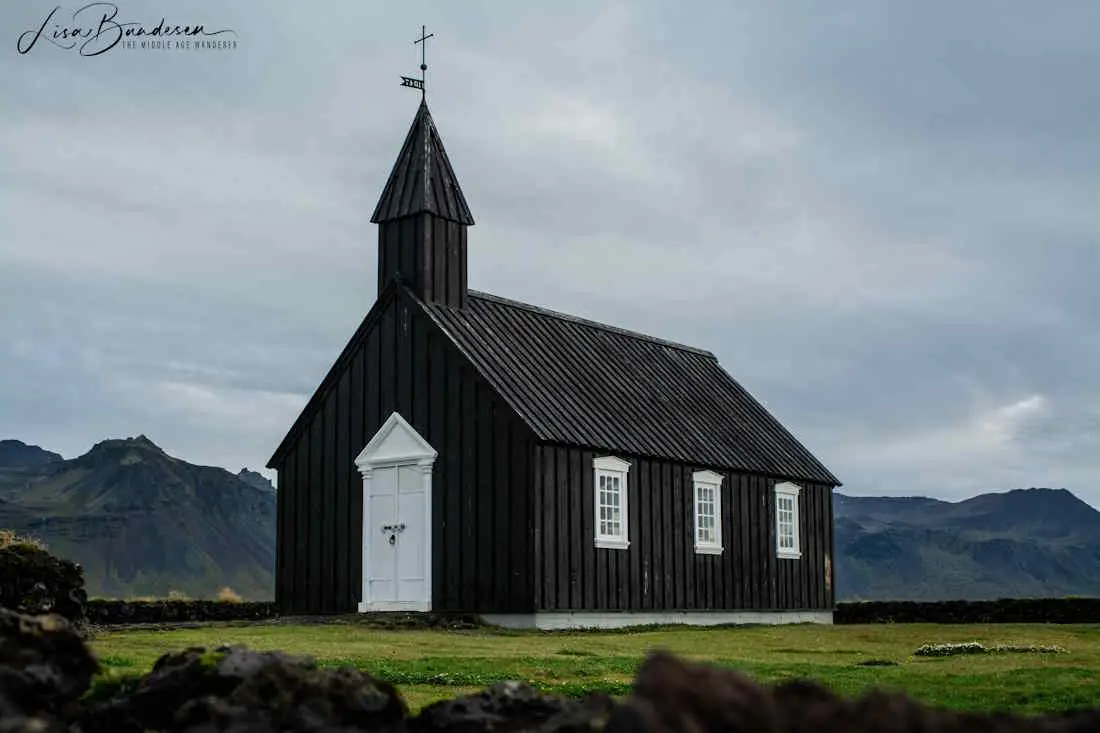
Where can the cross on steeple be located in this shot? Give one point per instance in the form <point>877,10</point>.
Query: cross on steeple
<point>419,83</point>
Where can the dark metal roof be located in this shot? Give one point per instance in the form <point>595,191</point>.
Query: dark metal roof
<point>579,382</point>
<point>422,178</point>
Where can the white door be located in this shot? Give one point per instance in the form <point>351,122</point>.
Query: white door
<point>397,518</point>
<point>396,551</point>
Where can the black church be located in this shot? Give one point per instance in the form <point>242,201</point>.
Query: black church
<point>470,453</point>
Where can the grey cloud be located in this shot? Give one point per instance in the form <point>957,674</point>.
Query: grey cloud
<point>877,215</point>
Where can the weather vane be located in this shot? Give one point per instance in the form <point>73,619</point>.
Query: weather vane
<point>419,83</point>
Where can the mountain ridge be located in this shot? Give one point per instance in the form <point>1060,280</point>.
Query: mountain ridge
<point>142,522</point>
<point>1016,543</point>
<point>17,454</point>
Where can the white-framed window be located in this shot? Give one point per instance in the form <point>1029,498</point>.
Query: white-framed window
<point>787,541</point>
<point>707,498</point>
<point>610,486</point>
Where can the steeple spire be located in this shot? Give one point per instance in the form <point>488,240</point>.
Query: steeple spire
<point>422,179</point>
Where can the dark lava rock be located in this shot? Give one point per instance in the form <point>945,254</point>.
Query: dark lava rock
<point>234,688</point>
<point>14,720</point>
<point>32,581</point>
<point>43,662</point>
<point>512,706</point>
<point>116,612</point>
<point>673,695</point>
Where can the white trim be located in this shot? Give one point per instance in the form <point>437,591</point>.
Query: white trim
<point>709,480</point>
<point>561,620</point>
<point>412,449</point>
<point>611,467</point>
<point>425,465</point>
<point>788,490</point>
<point>371,455</point>
<point>395,606</point>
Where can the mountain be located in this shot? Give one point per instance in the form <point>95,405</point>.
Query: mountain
<point>15,454</point>
<point>141,522</point>
<point>1020,543</point>
<point>257,480</point>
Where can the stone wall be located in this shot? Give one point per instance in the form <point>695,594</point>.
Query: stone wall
<point>1004,611</point>
<point>109,612</point>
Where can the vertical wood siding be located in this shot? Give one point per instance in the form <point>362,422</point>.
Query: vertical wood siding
<point>430,255</point>
<point>661,570</point>
<point>483,558</point>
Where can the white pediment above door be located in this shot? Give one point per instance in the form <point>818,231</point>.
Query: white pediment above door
<point>395,442</point>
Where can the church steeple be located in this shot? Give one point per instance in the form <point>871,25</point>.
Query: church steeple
<point>422,178</point>
<point>422,218</point>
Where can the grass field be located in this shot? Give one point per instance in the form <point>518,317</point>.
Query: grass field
<point>431,665</point>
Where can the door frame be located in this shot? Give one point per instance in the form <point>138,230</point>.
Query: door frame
<point>396,444</point>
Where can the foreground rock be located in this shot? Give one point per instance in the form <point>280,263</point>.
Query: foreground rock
<point>672,695</point>
<point>33,581</point>
<point>511,706</point>
<point>233,687</point>
<point>237,689</point>
<point>46,672</point>
<point>44,668</point>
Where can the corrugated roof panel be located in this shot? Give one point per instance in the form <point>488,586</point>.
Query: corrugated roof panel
<point>506,374</point>
<point>585,383</point>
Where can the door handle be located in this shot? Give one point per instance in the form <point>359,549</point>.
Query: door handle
<point>393,529</point>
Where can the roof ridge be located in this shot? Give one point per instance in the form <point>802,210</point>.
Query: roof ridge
<point>589,322</point>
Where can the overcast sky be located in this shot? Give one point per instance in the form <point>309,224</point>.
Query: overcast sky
<point>883,217</point>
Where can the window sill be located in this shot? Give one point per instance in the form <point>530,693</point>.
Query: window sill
<point>708,550</point>
<point>612,544</point>
<point>789,555</point>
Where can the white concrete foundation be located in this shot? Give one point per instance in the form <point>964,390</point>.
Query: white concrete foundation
<point>553,620</point>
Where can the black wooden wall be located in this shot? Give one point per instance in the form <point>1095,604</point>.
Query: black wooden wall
<point>482,559</point>
<point>660,570</point>
<point>429,253</point>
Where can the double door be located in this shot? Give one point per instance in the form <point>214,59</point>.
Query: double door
<point>397,546</point>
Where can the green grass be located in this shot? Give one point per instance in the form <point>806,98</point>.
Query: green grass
<point>429,665</point>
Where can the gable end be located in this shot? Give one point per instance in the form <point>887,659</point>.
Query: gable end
<point>343,361</point>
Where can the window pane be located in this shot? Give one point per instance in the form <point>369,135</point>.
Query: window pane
<point>706,514</point>
<point>610,500</point>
